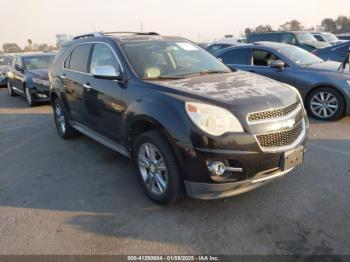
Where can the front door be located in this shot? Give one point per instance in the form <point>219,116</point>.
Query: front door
<point>262,61</point>
<point>103,103</point>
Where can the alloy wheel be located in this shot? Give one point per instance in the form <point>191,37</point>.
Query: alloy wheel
<point>60,120</point>
<point>28,96</point>
<point>9,87</point>
<point>153,169</point>
<point>324,104</point>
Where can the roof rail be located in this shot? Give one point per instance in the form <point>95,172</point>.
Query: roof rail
<point>99,34</point>
<point>130,33</point>
<point>93,34</point>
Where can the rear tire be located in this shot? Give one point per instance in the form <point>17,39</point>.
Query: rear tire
<point>65,130</point>
<point>326,104</point>
<point>157,168</point>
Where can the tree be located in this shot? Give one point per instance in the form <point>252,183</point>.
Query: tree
<point>248,31</point>
<point>329,25</point>
<point>11,48</point>
<point>258,29</point>
<point>263,28</point>
<point>30,42</point>
<point>293,25</point>
<point>343,24</point>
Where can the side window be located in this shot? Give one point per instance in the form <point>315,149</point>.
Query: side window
<point>79,58</point>
<point>237,57</point>
<point>263,58</point>
<point>275,37</point>
<point>103,55</point>
<point>319,38</point>
<point>288,39</point>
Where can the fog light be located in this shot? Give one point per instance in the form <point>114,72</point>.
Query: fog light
<point>216,168</point>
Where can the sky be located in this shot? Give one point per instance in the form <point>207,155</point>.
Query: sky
<point>198,20</point>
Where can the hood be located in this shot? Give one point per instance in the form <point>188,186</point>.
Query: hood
<point>317,44</point>
<point>239,91</point>
<point>330,68</point>
<point>39,73</point>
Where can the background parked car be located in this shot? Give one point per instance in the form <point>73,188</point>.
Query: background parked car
<point>325,90</point>
<point>28,76</point>
<point>327,37</point>
<point>304,40</point>
<point>216,47</point>
<point>5,61</point>
<point>224,43</point>
<point>335,53</point>
<point>344,36</point>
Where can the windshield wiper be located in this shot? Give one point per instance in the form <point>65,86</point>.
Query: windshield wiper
<point>164,78</point>
<point>206,73</point>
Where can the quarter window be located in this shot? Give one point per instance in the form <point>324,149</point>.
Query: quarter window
<point>103,56</point>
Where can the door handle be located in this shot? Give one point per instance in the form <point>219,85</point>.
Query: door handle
<point>87,86</point>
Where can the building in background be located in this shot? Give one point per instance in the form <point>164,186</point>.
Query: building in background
<point>61,38</point>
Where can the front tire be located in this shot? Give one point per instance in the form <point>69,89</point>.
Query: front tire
<point>157,168</point>
<point>326,104</point>
<point>29,97</point>
<point>9,88</point>
<point>65,130</point>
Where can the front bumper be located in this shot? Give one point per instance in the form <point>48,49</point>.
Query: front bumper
<point>40,94</point>
<point>206,191</point>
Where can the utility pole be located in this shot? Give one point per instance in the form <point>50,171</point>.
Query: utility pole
<point>141,27</point>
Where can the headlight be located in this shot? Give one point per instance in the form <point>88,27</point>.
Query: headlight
<point>41,81</point>
<point>214,120</point>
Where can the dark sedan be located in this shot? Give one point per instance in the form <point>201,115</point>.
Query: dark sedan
<point>335,53</point>
<point>5,61</point>
<point>28,76</point>
<point>325,90</point>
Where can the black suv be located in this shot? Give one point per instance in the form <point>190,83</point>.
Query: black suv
<point>304,40</point>
<point>28,76</point>
<point>189,124</point>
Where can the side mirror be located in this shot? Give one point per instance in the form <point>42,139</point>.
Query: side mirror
<point>278,64</point>
<point>106,72</point>
<point>18,68</point>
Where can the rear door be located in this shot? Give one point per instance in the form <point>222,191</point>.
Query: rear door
<point>75,71</point>
<point>103,103</point>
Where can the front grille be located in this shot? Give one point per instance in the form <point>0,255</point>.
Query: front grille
<point>281,138</point>
<point>272,113</point>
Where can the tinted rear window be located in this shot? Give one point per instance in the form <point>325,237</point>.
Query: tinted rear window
<point>79,58</point>
<point>264,37</point>
<point>237,57</point>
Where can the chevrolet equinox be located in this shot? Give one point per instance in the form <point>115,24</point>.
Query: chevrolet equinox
<point>189,124</point>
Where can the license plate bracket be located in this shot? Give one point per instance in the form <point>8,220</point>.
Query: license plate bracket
<point>292,158</point>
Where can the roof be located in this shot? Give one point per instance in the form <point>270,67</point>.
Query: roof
<point>127,36</point>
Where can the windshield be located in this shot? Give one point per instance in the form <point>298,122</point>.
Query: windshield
<point>300,56</point>
<point>330,38</point>
<point>38,62</point>
<point>305,37</point>
<point>171,59</point>
<point>5,60</point>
